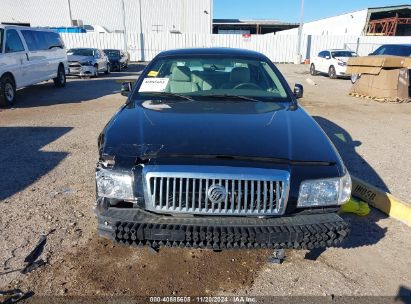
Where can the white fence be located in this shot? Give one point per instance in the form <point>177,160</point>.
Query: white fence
<point>279,48</point>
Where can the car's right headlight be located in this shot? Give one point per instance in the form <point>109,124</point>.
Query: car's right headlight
<point>325,192</point>
<point>114,184</point>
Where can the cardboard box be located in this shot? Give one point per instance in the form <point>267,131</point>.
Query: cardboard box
<point>388,84</point>
<point>380,61</point>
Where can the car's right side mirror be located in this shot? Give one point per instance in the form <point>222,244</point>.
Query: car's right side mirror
<point>126,88</point>
<point>327,57</point>
<point>298,90</point>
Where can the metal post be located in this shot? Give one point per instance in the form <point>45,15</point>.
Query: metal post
<point>141,33</point>
<point>71,17</point>
<point>300,34</point>
<point>124,25</point>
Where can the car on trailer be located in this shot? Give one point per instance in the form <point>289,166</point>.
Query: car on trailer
<point>212,150</point>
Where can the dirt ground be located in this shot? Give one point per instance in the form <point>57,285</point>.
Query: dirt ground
<point>48,155</point>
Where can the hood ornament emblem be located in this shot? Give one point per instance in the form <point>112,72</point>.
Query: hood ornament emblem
<point>216,194</point>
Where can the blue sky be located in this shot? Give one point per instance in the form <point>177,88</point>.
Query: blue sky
<point>289,10</point>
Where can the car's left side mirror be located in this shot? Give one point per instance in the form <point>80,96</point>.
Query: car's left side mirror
<point>298,90</point>
<point>126,88</point>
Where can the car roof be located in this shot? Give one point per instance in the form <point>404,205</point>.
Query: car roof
<point>212,51</point>
<point>20,27</point>
<point>398,44</point>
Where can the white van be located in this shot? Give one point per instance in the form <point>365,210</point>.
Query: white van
<point>29,56</point>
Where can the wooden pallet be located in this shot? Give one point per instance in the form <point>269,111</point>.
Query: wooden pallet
<point>381,99</point>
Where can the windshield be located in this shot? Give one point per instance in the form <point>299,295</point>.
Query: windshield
<point>112,53</point>
<point>343,54</point>
<point>212,76</point>
<point>395,50</point>
<point>81,52</point>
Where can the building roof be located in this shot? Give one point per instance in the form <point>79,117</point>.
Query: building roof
<point>250,22</point>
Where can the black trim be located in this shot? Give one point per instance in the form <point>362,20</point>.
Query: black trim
<point>136,227</point>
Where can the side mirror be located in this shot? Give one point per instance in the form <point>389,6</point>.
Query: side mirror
<point>126,88</point>
<point>298,90</point>
<point>327,57</point>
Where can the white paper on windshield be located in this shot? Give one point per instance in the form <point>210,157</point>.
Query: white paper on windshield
<point>153,85</point>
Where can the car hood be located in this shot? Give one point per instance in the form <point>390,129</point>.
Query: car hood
<point>343,59</point>
<point>249,129</point>
<point>79,58</point>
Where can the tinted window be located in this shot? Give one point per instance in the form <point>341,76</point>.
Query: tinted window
<point>81,52</point>
<point>395,50</point>
<point>41,40</point>
<point>343,54</point>
<point>30,40</point>
<point>112,53</point>
<point>1,40</point>
<point>53,40</point>
<point>323,54</point>
<point>13,42</point>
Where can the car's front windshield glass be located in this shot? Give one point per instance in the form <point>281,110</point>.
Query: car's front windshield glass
<point>212,77</point>
<point>80,52</point>
<point>112,53</point>
<point>337,54</point>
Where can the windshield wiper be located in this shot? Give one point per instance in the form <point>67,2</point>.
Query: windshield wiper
<point>168,94</point>
<point>229,96</point>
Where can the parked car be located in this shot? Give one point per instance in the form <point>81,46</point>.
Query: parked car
<point>29,56</point>
<point>118,59</point>
<point>87,62</point>
<point>403,50</point>
<point>212,150</point>
<point>331,62</point>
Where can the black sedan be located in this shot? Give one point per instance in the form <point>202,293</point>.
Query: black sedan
<point>118,59</point>
<point>212,150</point>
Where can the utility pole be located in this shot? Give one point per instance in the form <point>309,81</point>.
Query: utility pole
<point>300,34</point>
<point>71,17</point>
<point>124,25</point>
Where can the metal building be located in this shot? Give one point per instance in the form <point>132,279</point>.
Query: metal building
<point>146,16</point>
<point>377,21</point>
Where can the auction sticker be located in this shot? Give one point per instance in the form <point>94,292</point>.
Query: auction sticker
<point>154,85</point>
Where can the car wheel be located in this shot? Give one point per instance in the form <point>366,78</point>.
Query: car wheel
<point>108,70</point>
<point>60,80</point>
<point>331,72</point>
<point>7,91</point>
<point>355,77</point>
<point>312,69</point>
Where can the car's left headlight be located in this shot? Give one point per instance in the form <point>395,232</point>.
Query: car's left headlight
<point>114,184</point>
<point>325,192</point>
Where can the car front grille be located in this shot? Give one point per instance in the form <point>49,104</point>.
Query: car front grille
<point>216,190</point>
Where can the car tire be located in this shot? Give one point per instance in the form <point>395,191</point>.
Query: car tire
<point>60,80</point>
<point>108,70</point>
<point>313,72</point>
<point>355,77</point>
<point>7,91</point>
<point>331,72</point>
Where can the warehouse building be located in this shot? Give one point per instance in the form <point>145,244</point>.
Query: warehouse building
<point>146,16</point>
<point>378,21</point>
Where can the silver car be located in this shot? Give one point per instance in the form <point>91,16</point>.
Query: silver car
<point>87,62</point>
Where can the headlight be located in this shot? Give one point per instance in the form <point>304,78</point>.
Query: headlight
<point>325,192</point>
<point>112,184</point>
<point>87,63</point>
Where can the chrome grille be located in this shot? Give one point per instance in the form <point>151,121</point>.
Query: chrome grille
<point>185,189</point>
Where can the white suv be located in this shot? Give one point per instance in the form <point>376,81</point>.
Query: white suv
<point>331,62</point>
<point>29,56</point>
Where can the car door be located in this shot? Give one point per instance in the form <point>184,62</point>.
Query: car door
<point>327,61</point>
<point>16,56</point>
<point>35,57</point>
<point>320,62</point>
<point>101,61</point>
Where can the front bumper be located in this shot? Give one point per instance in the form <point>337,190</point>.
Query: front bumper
<point>136,227</point>
<point>84,70</point>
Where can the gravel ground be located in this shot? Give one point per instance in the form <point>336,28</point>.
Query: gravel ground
<point>48,155</point>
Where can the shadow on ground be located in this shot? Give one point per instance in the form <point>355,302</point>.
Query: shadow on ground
<point>77,90</point>
<point>22,161</point>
